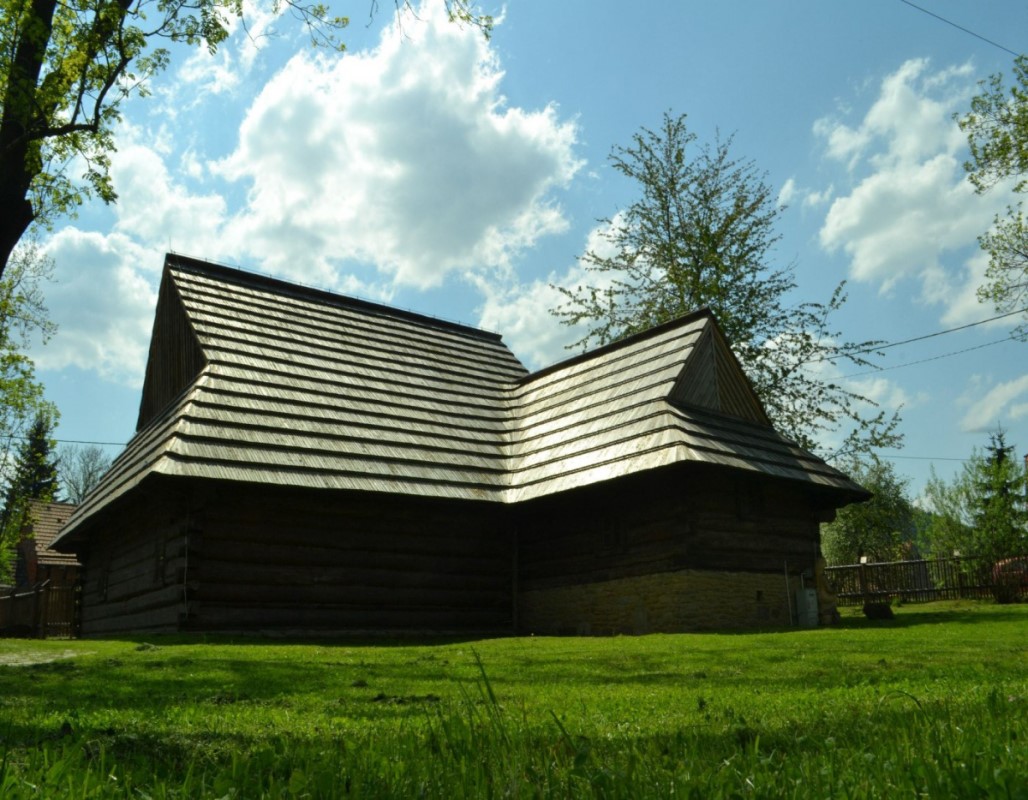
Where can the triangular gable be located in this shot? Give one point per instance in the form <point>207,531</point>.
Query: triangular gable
<point>713,379</point>
<point>175,358</point>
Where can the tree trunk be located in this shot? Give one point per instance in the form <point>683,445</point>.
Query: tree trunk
<point>17,217</point>
<point>19,157</point>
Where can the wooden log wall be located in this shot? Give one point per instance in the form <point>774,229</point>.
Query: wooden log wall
<point>310,561</point>
<point>134,573</point>
<point>690,518</point>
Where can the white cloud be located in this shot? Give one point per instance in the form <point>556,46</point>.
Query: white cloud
<point>788,192</point>
<point>400,165</point>
<point>791,193</point>
<point>1003,402</point>
<point>102,299</point>
<point>521,312</point>
<point>203,74</point>
<point>909,214</point>
<point>405,157</point>
<point>156,209</point>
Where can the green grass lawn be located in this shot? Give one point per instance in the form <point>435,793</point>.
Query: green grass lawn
<point>931,704</point>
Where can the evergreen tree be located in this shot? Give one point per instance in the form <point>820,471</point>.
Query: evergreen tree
<point>983,513</point>
<point>701,234</point>
<point>34,478</point>
<point>999,505</point>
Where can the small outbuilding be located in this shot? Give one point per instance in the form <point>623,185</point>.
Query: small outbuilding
<point>35,561</point>
<point>43,600</point>
<point>307,462</point>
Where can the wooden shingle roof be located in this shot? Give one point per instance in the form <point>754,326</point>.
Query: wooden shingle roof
<point>46,521</point>
<point>257,380</point>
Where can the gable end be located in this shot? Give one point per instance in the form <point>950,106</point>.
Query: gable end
<point>712,378</point>
<point>176,357</point>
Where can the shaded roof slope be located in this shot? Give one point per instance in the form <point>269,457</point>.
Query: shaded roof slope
<point>257,380</point>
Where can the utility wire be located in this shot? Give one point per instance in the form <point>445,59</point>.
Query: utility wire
<point>960,28</point>
<point>70,441</point>
<point>933,358</point>
<point>867,350</point>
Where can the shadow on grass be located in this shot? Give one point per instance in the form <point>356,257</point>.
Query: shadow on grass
<point>908,616</point>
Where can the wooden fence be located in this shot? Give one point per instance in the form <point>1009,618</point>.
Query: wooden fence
<point>44,611</point>
<point>925,580</point>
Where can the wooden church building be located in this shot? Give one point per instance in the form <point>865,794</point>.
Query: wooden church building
<point>307,462</point>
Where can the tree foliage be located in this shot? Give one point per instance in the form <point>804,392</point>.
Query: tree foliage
<point>882,529</point>
<point>34,477</point>
<point>23,314</point>
<point>81,469</point>
<point>997,135</point>
<point>983,511</point>
<point>701,234</point>
<point>67,67</point>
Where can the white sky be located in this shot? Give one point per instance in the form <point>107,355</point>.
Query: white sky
<point>429,168</point>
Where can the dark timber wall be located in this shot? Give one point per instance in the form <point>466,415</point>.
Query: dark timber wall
<point>135,571</point>
<point>673,549</point>
<point>686,549</point>
<point>246,559</point>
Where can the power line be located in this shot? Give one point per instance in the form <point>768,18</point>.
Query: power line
<point>923,458</point>
<point>933,335</point>
<point>860,351</point>
<point>70,441</point>
<point>960,28</point>
<point>933,358</point>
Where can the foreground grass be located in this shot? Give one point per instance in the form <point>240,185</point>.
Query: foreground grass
<point>932,704</point>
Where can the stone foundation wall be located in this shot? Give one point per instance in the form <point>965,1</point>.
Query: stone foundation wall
<point>668,602</point>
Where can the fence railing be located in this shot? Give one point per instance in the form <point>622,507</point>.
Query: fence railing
<point>929,579</point>
<point>44,611</point>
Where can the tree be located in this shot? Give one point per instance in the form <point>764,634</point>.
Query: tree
<point>983,511</point>
<point>997,135</point>
<point>883,528</point>
<point>23,315</point>
<point>81,469</point>
<point>701,234</point>
<point>34,478</point>
<point>66,68</point>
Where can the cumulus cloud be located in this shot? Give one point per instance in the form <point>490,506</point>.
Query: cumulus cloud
<point>909,214</point>
<point>102,299</point>
<point>521,311</point>
<point>405,157</point>
<point>203,74</point>
<point>402,165</point>
<point>1004,402</point>
<point>155,208</point>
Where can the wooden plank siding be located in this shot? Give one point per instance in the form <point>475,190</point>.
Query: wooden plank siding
<point>243,560</point>
<point>681,519</point>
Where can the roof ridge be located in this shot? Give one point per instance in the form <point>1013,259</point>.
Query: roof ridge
<point>619,344</point>
<point>240,275</point>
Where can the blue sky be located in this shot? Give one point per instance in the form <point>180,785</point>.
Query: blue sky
<point>430,169</point>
